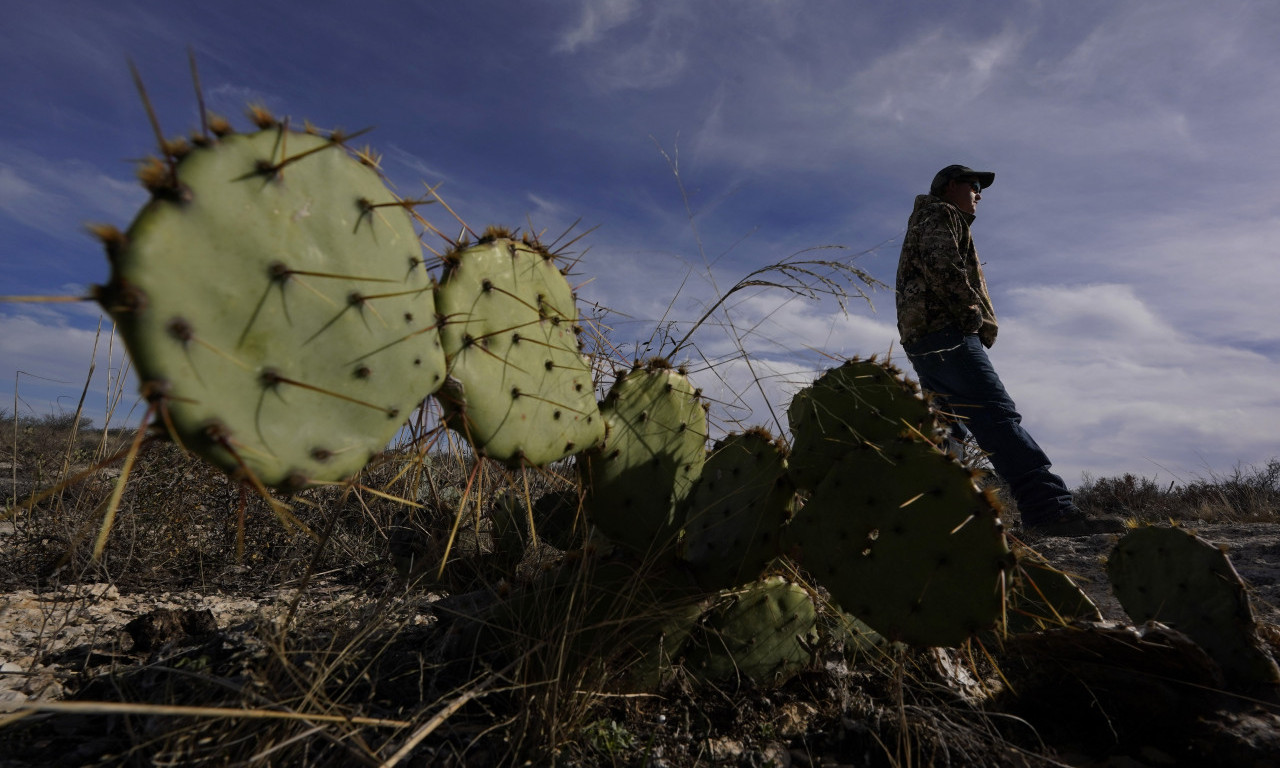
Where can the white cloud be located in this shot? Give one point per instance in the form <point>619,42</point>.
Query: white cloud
<point>420,169</point>
<point>49,360</point>
<point>1107,385</point>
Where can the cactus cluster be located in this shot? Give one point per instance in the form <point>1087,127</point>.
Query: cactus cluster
<point>859,404</point>
<point>274,298</point>
<point>1042,597</point>
<point>764,631</point>
<point>894,528</point>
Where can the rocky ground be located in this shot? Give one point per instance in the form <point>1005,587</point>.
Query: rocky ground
<point>1254,549</point>
<point>53,640</point>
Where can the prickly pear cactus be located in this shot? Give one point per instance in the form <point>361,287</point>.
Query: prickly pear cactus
<point>273,298</point>
<point>862,402</point>
<point>737,509</point>
<point>1174,577</point>
<point>903,540</point>
<point>519,388</point>
<point>763,632</point>
<point>653,453</point>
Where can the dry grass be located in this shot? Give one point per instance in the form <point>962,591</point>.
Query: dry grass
<point>1248,494</point>
<point>367,669</point>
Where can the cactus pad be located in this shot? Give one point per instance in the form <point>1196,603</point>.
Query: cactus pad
<point>519,388</point>
<point>763,632</point>
<point>653,453</point>
<point>1175,577</point>
<point>863,402</point>
<point>273,298</point>
<point>904,541</point>
<point>737,509</point>
<point>1043,597</point>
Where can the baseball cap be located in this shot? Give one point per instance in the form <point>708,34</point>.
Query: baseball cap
<point>952,172</point>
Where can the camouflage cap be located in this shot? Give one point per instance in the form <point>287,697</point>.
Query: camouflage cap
<point>953,172</point>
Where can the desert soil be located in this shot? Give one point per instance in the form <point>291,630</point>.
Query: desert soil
<point>39,629</point>
<point>49,637</point>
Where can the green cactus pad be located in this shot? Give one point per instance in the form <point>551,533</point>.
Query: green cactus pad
<point>653,453</point>
<point>519,388</point>
<point>863,402</point>
<point>903,540</point>
<point>1175,577</point>
<point>1043,597</point>
<point>737,509</point>
<point>273,298</point>
<point>763,632</point>
<point>844,631</point>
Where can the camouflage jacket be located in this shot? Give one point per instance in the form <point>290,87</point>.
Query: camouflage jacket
<point>940,283</point>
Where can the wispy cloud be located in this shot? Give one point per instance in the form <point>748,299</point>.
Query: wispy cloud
<point>629,44</point>
<point>596,18</point>
<point>57,197</point>
<point>49,360</point>
<point>1128,239</point>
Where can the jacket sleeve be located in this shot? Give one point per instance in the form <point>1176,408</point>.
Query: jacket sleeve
<point>943,243</point>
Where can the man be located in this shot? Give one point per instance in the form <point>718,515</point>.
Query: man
<point>946,323</point>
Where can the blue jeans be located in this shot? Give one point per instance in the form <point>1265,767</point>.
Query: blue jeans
<point>956,367</point>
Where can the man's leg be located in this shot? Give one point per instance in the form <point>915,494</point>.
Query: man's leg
<point>957,368</point>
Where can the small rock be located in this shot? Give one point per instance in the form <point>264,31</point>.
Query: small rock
<point>166,625</point>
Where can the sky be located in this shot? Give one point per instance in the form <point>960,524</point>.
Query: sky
<point>1129,240</point>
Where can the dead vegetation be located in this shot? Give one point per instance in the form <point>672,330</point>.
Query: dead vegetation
<point>341,661</point>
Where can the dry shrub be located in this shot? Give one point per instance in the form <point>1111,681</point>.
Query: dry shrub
<point>1246,495</point>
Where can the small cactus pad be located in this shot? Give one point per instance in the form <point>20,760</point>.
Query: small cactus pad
<point>859,403</point>
<point>519,388</point>
<point>653,453</point>
<point>1043,597</point>
<point>904,541</point>
<point>763,632</point>
<point>273,298</point>
<point>737,509</point>
<point>1176,578</point>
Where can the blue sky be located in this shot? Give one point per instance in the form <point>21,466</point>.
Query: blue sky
<point>1129,239</point>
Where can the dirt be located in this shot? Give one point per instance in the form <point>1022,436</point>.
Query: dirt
<point>53,640</point>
